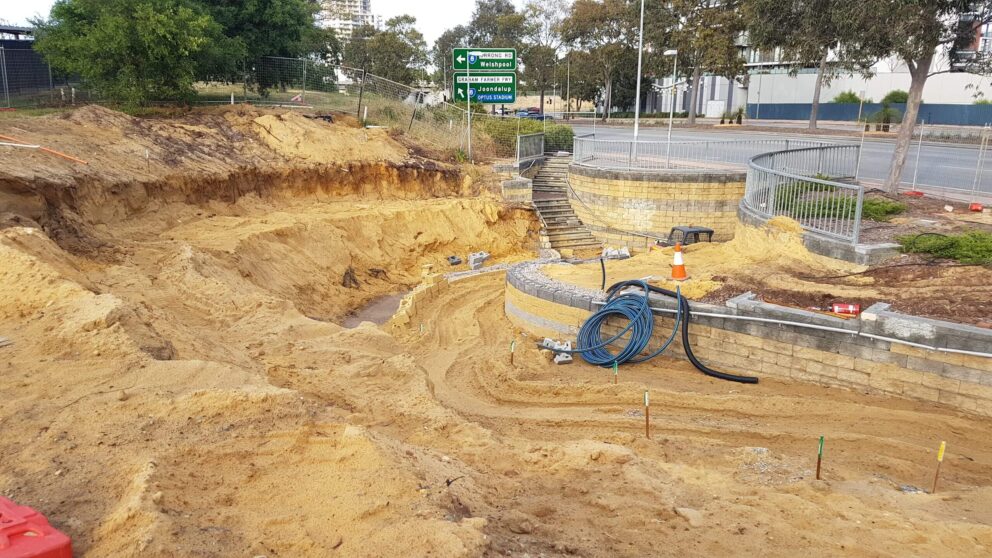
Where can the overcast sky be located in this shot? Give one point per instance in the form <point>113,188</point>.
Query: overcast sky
<point>432,17</point>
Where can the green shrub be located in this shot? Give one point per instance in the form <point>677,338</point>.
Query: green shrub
<point>873,209</point>
<point>895,97</point>
<point>983,102</point>
<point>849,98</point>
<point>973,247</point>
<point>503,133</point>
<point>881,209</point>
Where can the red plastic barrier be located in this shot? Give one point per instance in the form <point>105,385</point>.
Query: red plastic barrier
<point>850,309</point>
<point>25,533</point>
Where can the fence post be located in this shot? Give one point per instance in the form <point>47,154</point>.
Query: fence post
<point>3,64</point>
<point>361,91</point>
<point>857,215</point>
<point>416,103</point>
<point>303,96</point>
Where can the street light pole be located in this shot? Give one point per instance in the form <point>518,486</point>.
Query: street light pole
<point>637,94</point>
<point>671,112</point>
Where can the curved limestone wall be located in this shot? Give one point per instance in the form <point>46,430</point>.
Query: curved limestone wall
<point>882,351</point>
<point>613,203</point>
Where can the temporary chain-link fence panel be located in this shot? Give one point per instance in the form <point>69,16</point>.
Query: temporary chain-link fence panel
<point>422,113</point>
<point>26,80</point>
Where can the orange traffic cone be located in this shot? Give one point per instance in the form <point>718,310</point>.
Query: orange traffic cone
<point>678,267</point>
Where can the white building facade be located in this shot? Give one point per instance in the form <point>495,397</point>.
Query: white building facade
<point>344,16</point>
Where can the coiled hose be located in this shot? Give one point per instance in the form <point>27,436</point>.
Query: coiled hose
<point>635,308</point>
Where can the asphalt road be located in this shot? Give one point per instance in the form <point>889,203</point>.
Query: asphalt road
<point>944,166</point>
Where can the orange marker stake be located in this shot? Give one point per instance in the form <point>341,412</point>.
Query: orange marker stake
<point>647,415</point>
<point>819,458</point>
<point>940,459</point>
<point>513,346</point>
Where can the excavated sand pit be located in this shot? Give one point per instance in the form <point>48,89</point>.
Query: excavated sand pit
<point>179,384</point>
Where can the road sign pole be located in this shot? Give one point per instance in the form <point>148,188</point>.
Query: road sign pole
<point>468,105</point>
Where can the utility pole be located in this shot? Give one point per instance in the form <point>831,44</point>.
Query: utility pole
<point>671,112</point>
<point>637,88</point>
<point>568,82</point>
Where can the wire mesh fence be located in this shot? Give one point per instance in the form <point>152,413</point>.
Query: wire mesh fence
<point>26,80</point>
<point>420,112</point>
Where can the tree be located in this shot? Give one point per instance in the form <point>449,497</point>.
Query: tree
<point>606,30</point>
<point>917,32</point>
<point>130,51</point>
<point>896,97</point>
<point>268,27</point>
<point>497,24</point>
<point>585,81</point>
<point>807,31</point>
<point>849,98</point>
<point>705,32</point>
<point>398,52</point>
<point>541,43</point>
<point>441,53</point>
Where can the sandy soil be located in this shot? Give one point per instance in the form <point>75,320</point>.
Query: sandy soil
<point>775,265</point>
<point>178,385</point>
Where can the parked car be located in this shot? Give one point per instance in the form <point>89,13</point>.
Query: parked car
<point>533,115</point>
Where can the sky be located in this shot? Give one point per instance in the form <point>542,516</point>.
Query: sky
<point>433,18</point>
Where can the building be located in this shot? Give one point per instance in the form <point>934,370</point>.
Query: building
<point>344,16</point>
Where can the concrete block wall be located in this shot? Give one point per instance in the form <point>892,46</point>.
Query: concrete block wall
<point>431,287</point>
<point>654,202</point>
<point>518,190</point>
<point>882,352</point>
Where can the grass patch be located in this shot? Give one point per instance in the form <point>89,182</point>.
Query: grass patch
<point>973,247</point>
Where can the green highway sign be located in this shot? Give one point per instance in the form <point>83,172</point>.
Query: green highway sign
<point>484,59</point>
<point>492,88</point>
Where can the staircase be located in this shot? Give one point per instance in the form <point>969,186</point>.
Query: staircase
<point>561,225</point>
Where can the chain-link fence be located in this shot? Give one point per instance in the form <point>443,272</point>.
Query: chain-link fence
<point>26,80</point>
<point>422,113</point>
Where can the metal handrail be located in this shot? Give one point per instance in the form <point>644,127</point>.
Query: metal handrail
<point>802,184</point>
<point>628,154</point>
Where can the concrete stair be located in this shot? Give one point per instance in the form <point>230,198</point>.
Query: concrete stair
<point>562,226</point>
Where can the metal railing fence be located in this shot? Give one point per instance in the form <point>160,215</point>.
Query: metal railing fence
<point>623,154</point>
<point>803,184</point>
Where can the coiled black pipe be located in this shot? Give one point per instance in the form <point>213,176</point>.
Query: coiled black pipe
<point>602,265</point>
<point>684,314</point>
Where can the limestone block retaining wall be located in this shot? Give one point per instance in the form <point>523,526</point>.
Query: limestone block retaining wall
<point>518,190</point>
<point>652,202</point>
<point>882,351</point>
<point>429,289</point>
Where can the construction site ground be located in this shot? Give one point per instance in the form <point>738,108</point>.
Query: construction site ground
<point>178,381</point>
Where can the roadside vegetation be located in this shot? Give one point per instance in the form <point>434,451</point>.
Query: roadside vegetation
<point>973,247</point>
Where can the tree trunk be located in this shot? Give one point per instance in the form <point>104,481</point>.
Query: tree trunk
<point>919,72</point>
<point>609,98</point>
<point>814,111</point>
<point>694,98</point>
<point>542,99</point>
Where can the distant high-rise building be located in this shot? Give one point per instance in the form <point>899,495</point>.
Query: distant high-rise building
<point>344,16</point>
